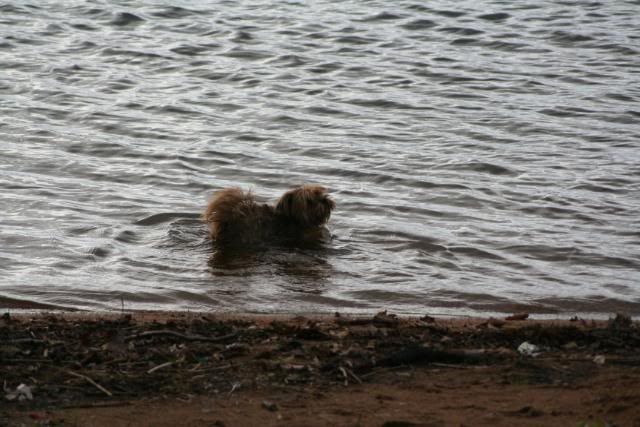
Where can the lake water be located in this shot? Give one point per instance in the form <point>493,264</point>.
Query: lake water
<point>484,155</point>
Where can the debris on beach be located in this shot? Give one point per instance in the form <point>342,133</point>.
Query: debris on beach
<point>599,360</point>
<point>269,405</point>
<point>82,361</point>
<point>22,392</point>
<point>528,349</point>
<point>517,316</point>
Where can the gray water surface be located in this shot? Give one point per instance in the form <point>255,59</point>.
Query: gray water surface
<point>484,155</point>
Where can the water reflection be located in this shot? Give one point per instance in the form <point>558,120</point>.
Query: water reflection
<point>297,264</point>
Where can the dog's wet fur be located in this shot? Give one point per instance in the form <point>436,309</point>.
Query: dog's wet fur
<point>236,219</point>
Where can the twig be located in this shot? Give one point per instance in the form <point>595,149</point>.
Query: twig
<point>345,375</point>
<point>92,382</point>
<point>181,336</point>
<point>234,387</point>
<point>451,366</point>
<point>9,361</point>
<point>164,365</point>
<point>212,369</point>
<point>354,376</point>
<point>25,341</point>
<point>375,371</point>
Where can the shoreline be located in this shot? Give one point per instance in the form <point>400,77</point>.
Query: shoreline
<point>165,315</point>
<point>27,307</point>
<point>162,368</point>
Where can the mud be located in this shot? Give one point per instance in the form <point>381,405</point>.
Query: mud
<point>203,370</point>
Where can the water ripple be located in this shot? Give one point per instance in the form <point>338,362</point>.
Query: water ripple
<point>483,154</point>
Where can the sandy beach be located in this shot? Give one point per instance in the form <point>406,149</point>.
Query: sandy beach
<point>197,369</point>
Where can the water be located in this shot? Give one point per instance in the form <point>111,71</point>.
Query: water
<point>484,156</point>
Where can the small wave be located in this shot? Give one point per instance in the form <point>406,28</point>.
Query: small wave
<point>500,16</point>
<point>23,304</point>
<point>326,67</point>
<point>190,50</point>
<point>450,13</point>
<point>251,55</point>
<point>131,53</point>
<point>507,46</point>
<point>475,252</point>
<point>124,19</point>
<point>419,24</point>
<point>383,103</point>
<point>174,12</point>
<point>563,112</point>
<point>484,167</point>
<point>99,252</point>
<point>566,38</point>
<point>560,213</point>
<point>465,31</point>
<point>598,188</point>
<point>290,60</point>
<point>326,111</point>
<point>127,236</point>
<point>83,26</point>
<point>382,16</point>
<point>161,218</point>
<point>464,41</point>
<point>355,40</point>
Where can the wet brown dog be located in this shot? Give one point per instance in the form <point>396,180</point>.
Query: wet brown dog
<point>235,218</point>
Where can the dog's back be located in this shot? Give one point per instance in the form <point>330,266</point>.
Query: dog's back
<point>235,218</point>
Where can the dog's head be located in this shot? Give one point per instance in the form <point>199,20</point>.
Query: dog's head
<point>308,205</point>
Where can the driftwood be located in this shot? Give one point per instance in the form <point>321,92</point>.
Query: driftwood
<point>185,337</point>
<point>164,365</point>
<point>92,382</point>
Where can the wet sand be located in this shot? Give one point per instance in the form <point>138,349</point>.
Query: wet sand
<point>200,369</point>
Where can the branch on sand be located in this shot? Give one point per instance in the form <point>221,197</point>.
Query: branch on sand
<point>185,337</point>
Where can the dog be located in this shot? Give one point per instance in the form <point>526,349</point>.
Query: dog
<point>236,219</point>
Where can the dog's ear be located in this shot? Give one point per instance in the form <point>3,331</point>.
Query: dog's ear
<point>322,206</point>
<point>308,205</point>
<point>289,204</point>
